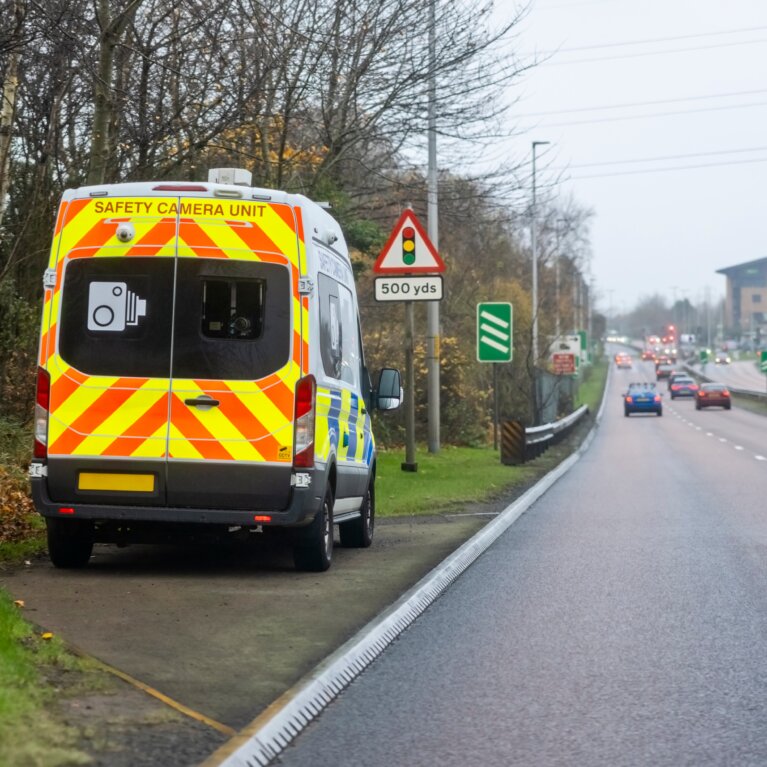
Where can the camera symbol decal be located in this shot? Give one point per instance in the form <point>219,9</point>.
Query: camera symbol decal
<point>112,307</point>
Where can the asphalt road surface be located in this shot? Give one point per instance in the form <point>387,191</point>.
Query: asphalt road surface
<point>621,621</point>
<point>740,375</point>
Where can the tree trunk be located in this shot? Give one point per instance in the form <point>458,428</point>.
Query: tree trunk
<point>103,107</point>
<point>8,105</point>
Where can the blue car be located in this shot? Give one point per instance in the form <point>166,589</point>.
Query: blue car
<point>642,398</point>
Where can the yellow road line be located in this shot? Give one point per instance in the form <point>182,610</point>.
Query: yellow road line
<point>174,704</point>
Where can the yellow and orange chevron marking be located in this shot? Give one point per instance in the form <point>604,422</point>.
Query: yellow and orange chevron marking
<point>148,418</point>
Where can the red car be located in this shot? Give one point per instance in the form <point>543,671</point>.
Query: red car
<point>713,395</point>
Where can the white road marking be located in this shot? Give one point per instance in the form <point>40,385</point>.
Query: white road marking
<point>760,458</point>
<point>738,447</point>
<point>723,439</point>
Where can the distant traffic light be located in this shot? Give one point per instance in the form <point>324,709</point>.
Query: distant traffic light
<point>408,245</point>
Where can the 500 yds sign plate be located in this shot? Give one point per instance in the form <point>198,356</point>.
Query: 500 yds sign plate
<point>409,288</point>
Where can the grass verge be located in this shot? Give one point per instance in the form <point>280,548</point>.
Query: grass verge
<point>461,475</point>
<point>455,475</point>
<point>31,672</point>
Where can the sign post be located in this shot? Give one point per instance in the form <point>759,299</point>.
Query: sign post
<point>409,269</point>
<point>494,344</point>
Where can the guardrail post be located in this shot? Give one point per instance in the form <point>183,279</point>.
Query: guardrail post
<point>512,443</point>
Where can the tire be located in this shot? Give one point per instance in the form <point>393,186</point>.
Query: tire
<point>70,542</point>
<point>698,406</point>
<point>358,533</point>
<point>659,413</point>
<point>626,413</point>
<point>313,549</point>
<point>728,407</point>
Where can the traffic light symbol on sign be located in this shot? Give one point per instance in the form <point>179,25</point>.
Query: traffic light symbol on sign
<point>408,245</point>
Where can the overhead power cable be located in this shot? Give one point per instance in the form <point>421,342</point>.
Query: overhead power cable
<point>648,41</point>
<point>651,114</point>
<point>641,54</point>
<point>643,103</point>
<point>669,169</point>
<point>664,157</point>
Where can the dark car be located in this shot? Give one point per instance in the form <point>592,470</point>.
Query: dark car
<point>664,370</point>
<point>674,375</point>
<point>722,358</point>
<point>642,398</point>
<point>713,395</point>
<point>683,386</point>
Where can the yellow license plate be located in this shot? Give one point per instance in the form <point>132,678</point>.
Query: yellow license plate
<point>126,483</point>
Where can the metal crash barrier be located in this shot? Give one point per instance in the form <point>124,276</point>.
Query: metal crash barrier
<point>520,444</point>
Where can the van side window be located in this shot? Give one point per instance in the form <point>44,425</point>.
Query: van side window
<point>338,332</point>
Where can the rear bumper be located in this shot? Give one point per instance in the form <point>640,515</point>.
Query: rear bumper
<point>303,506</point>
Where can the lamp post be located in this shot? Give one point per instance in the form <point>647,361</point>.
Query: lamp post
<point>534,248</point>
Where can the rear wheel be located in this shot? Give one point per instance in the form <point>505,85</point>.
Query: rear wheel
<point>626,412</point>
<point>358,533</point>
<point>698,406</point>
<point>728,406</point>
<point>313,549</point>
<point>70,541</point>
<point>660,412</point>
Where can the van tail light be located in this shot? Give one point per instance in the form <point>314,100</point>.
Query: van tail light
<point>656,398</point>
<point>42,403</point>
<point>303,443</point>
<point>628,399</point>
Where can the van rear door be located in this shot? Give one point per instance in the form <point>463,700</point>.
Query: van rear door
<point>107,350</point>
<point>236,355</point>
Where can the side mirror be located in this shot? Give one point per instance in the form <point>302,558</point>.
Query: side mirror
<point>388,393</point>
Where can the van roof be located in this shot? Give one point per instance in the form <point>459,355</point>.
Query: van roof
<point>187,188</point>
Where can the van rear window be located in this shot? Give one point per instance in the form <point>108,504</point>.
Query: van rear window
<point>232,318</point>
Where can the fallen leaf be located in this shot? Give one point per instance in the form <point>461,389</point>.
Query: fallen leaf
<point>46,635</point>
<point>19,603</point>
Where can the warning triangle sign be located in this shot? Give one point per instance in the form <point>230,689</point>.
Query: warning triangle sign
<point>408,250</point>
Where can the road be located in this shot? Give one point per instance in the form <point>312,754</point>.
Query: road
<point>621,621</point>
<point>740,375</point>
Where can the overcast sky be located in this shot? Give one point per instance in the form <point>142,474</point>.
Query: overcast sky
<point>682,80</point>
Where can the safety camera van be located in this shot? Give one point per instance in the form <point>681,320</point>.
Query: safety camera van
<point>201,372</point>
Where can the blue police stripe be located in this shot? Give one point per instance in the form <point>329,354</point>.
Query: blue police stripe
<point>333,412</point>
<point>354,409</point>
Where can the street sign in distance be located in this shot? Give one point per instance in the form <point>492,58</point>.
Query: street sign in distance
<point>563,364</point>
<point>763,361</point>
<point>409,288</point>
<point>494,332</point>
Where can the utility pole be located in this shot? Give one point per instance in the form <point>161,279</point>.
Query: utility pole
<point>534,248</point>
<point>432,307</point>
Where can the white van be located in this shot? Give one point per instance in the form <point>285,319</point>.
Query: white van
<point>201,368</point>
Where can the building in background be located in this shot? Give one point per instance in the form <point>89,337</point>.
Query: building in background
<point>745,305</point>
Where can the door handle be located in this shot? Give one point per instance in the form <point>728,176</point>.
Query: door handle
<point>204,401</point>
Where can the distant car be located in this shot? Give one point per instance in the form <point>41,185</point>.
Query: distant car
<point>624,361</point>
<point>674,375</point>
<point>648,354</point>
<point>722,358</point>
<point>642,398</point>
<point>683,386</point>
<point>713,395</point>
<point>664,370</point>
